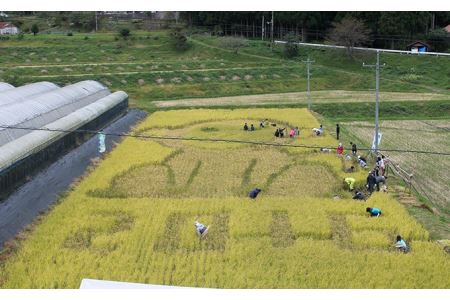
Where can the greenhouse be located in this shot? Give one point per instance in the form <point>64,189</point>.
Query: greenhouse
<point>86,105</point>
<point>5,86</point>
<point>12,95</point>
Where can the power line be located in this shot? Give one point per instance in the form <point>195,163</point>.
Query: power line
<point>213,140</point>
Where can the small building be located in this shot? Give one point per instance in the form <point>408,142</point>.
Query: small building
<point>418,47</point>
<point>8,28</point>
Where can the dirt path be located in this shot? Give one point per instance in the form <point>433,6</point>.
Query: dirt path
<point>300,97</point>
<point>151,72</point>
<point>24,205</point>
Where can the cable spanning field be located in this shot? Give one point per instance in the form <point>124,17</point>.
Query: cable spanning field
<point>132,218</point>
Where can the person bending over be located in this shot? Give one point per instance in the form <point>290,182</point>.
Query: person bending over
<point>373,211</point>
<point>401,244</point>
<point>201,229</point>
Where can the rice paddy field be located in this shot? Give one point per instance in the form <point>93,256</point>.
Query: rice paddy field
<point>132,217</point>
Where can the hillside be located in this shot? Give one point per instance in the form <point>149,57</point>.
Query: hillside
<point>149,69</point>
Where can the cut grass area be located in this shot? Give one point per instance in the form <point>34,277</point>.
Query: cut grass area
<point>306,237</point>
<point>430,172</point>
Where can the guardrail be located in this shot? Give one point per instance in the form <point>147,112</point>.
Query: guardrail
<point>368,49</point>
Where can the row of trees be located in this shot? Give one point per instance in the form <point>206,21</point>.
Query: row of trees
<point>385,29</point>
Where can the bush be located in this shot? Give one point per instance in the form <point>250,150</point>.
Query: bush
<point>20,36</point>
<point>69,34</point>
<point>34,29</point>
<point>234,43</point>
<point>86,37</point>
<point>124,33</point>
<point>291,47</point>
<point>179,39</point>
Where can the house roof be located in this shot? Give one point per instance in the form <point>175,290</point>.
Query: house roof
<point>418,43</point>
<point>447,28</point>
<point>6,25</point>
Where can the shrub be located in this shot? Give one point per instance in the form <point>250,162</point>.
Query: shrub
<point>124,33</point>
<point>233,43</point>
<point>291,47</point>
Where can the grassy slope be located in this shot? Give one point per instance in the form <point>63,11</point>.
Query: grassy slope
<point>206,69</point>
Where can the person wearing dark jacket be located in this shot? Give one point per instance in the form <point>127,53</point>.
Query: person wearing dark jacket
<point>354,149</point>
<point>245,127</point>
<point>254,193</point>
<point>371,181</point>
<point>358,195</point>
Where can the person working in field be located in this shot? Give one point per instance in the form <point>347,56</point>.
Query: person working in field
<point>350,170</point>
<point>371,181</point>
<point>354,148</point>
<point>338,130</point>
<point>297,131</point>
<point>380,181</point>
<point>292,133</point>
<point>350,182</point>
<point>318,131</point>
<point>362,161</point>
<point>340,149</point>
<point>201,229</point>
<point>373,211</point>
<point>252,128</point>
<point>245,127</point>
<point>401,245</point>
<point>254,193</point>
<point>358,196</point>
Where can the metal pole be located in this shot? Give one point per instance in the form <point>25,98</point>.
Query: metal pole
<point>308,75</point>
<point>96,22</point>
<point>271,33</point>
<point>377,87</point>
<point>262,29</point>
<point>377,96</point>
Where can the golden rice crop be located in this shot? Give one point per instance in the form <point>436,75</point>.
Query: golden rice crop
<point>132,219</point>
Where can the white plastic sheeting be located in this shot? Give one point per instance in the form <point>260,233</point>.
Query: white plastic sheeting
<point>38,111</point>
<point>26,92</point>
<point>5,86</point>
<point>37,140</point>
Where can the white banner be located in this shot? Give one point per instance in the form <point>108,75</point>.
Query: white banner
<point>379,140</point>
<point>101,143</point>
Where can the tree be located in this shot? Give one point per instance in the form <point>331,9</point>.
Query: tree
<point>439,39</point>
<point>291,46</point>
<point>124,33</point>
<point>234,43</point>
<point>349,32</point>
<point>178,38</point>
<point>34,29</point>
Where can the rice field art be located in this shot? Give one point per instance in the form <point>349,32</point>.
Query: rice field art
<point>132,217</point>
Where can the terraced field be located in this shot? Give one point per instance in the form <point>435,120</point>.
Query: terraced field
<point>131,219</point>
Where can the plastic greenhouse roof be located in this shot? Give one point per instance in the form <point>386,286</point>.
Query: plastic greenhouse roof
<point>47,107</point>
<point>25,92</point>
<point>5,86</point>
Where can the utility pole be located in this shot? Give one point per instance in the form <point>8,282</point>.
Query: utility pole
<point>271,33</point>
<point>308,73</point>
<point>377,93</point>
<point>262,29</point>
<point>96,22</point>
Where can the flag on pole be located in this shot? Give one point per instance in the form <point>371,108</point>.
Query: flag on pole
<point>379,140</point>
<point>101,142</point>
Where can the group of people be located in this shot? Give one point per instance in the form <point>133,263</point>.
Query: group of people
<point>246,128</point>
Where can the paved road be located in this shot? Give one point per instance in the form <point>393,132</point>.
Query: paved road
<point>37,195</point>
